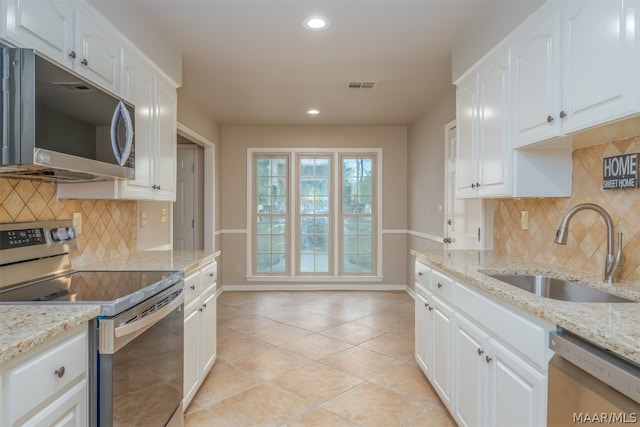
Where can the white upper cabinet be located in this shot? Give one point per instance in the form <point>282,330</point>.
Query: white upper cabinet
<point>600,62</point>
<point>46,26</point>
<point>483,164</point>
<point>575,66</point>
<point>536,79</point>
<point>165,167</point>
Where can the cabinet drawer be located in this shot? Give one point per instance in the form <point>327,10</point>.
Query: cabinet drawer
<point>512,329</point>
<point>441,285</point>
<point>191,286</point>
<point>422,274</point>
<point>209,275</point>
<point>40,377</point>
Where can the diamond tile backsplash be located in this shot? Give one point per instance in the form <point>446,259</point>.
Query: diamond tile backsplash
<point>108,226</point>
<point>586,246</point>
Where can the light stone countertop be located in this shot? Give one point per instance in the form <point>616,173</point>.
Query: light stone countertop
<point>613,326</point>
<point>186,261</point>
<point>24,326</point>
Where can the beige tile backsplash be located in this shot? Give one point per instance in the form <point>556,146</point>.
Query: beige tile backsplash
<point>108,226</point>
<point>586,246</point>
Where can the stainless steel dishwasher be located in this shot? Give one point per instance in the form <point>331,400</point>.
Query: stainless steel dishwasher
<point>588,384</point>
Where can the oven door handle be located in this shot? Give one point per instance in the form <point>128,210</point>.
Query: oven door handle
<point>149,320</point>
<point>113,338</point>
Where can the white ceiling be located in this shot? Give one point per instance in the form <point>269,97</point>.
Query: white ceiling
<point>252,62</point>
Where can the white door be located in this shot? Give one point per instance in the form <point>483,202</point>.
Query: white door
<point>183,208</point>
<point>463,217</point>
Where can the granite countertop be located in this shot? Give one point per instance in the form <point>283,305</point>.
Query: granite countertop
<point>186,261</point>
<point>613,326</point>
<point>25,326</point>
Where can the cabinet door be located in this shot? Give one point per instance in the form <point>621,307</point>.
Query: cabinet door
<point>139,89</point>
<point>422,326</point>
<point>164,176</point>
<point>536,78</point>
<point>69,410</point>
<point>467,121</point>
<point>98,50</point>
<point>519,390</point>
<point>471,377</point>
<point>46,26</point>
<point>600,62</point>
<point>494,133</point>
<point>191,351</point>
<point>442,349</point>
<point>208,332</point>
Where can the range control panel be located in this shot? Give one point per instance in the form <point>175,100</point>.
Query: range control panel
<point>19,238</point>
<point>21,241</point>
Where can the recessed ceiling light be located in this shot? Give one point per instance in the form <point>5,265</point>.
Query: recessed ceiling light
<point>316,23</point>
<point>313,112</point>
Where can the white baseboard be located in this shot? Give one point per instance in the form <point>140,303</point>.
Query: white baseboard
<point>315,287</point>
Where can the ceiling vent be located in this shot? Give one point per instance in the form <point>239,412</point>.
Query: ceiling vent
<point>361,85</point>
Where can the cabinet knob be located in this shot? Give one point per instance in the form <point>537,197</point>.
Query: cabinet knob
<point>192,287</point>
<point>157,187</point>
<point>447,240</point>
<point>439,285</point>
<point>60,372</point>
<point>477,185</point>
<point>473,185</point>
<point>563,114</point>
<point>200,309</point>
<point>430,308</point>
<point>488,359</point>
<point>84,62</point>
<point>210,274</point>
<point>420,273</point>
<point>480,352</point>
<point>549,119</point>
<point>426,305</point>
<point>72,54</point>
<point>204,305</point>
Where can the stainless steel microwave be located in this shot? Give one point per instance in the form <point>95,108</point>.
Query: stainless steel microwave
<point>57,126</point>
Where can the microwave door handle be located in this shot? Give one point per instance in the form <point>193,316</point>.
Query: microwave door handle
<point>121,112</point>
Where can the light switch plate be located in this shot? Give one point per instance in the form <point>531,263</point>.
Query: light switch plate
<point>524,220</point>
<point>143,219</point>
<point>163,215</point>
<point>76,221</point>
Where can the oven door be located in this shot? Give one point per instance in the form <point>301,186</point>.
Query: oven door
<point>140,363</point>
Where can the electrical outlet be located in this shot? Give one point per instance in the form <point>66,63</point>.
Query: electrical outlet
<point>143,219</point>
<point>440,210</point>
<point>524,220</point>
<point>76,221</point>
<point>163,215</point>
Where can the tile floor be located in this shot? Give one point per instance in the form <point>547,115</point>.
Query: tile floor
<point>325,358</point>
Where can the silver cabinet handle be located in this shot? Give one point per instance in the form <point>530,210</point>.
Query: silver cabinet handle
<point>84,62</point>
<point>72,54</point>
<point>426,305</point>
<point>439,285</point>
<point>480,352</point>
<point>210,274</point>
<point>563,114</point>
<point>60,372</point>
<point>488,359</point>
<point>430,308</point>
<point>549,119</point>
<point>192,287</point>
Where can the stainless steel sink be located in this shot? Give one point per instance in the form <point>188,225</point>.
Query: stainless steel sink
<point>550,287</point>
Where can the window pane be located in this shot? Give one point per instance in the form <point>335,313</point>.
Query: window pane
<point>264,244</point>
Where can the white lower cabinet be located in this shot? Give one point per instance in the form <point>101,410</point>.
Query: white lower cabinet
<point>199,328</point>
<point>48,385</point>
<point>486,360</point>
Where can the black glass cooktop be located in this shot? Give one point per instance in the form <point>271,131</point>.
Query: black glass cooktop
<point>115,291</point>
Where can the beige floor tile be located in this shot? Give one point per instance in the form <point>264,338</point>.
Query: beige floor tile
<point>360,362</point>
<point>265,405</point>
<point>371,405</point>
<point>392,345</point>
<point>226,312</point>
<point>204,418</point>
<point>247,324</point>
<point>408,380</point>
<point>271,363</point>
<point>224,381</point>
<point>239,298</point>
<point>314,322</point>
<point>388,321</point>
<point>319,418</point>
<point>237,346</point>
<point>315,347</point>
<point>352,333</point>
<point>317,383</point>
<point>433,416</point>
<point>283,313</point>
<point>280,334</point>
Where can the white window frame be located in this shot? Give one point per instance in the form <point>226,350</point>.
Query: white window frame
<point>336,154</point>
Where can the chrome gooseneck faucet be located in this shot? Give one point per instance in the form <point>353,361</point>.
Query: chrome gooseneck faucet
<point>613,263</point>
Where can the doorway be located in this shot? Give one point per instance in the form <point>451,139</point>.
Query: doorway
<point>188,209</point>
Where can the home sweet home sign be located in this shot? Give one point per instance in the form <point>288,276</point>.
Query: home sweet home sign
<point>619,172</point>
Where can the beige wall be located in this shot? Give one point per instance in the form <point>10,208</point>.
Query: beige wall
<point>236,140</point>
<point>586,247</point>
<point>425,176</point>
